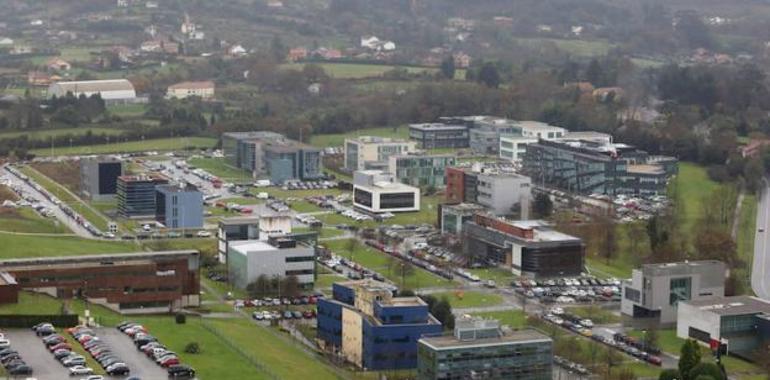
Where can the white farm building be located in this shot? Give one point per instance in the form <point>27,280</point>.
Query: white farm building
<point>112,90</point>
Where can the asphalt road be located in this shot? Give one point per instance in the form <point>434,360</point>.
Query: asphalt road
<point>761,266</point>
<point>58,213</point>
<point>140,365</point>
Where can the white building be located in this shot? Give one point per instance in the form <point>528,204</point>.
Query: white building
<point>377,192</point>
<point>260,227</point>
<point>513,146</point>
<point>371,152</point>
<point>202,89</point>
<point>111,90</point>
<point>278,257</point>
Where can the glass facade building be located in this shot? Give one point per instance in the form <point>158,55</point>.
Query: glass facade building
<point>421,171</point>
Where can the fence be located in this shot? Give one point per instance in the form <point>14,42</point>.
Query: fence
<point>249,357</point>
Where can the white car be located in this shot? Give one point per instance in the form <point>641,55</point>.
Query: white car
<point>203,234</point>
<point>587,323</point>
<point>5,343</point>
<point>557,311</point>
<point>80,370</point>
<point>94,377</point>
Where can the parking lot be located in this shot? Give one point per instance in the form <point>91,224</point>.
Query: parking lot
<point>32,349</point>
<point>141,366</point>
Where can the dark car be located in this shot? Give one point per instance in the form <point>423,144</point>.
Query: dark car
<point>181,371</point>
<point>21,370</point>
<point>119,371</point>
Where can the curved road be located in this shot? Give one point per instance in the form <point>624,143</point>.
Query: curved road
<point>760,271</point>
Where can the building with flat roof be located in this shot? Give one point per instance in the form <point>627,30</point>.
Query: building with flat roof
<point>480,349</point>
<point>513,146</point>
<point>596,167</point>
<point>421,170</point>
<point>271,155</point>
<point>139,282</point>
<point>372,152</point>
<point>242,228</point>
<point>439,135</point>
<point>453,216</point>
<point>738,325</point>
<point>278,257</point>
<point>528,247</point>
<point>179,206</point>
<point>655,290</point>
<point>364,323</point>
<point>112,91</point>
<point>375,191</point>
<point>99,177</point>
<point>499,188</point>
<point>136,194</point>
<point>201,89</point>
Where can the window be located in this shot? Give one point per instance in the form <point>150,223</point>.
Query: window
<point>299,259</point>
<point>632,294</point>
<point>680,290</point>
<point>397,200</point>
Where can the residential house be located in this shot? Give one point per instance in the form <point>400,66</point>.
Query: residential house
<point>58,64</point>
<point>297,54</point>
<point>202,89</point>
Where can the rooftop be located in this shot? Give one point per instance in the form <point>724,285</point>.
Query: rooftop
<point>192,85</point>
<point>667,268</point>
<point>645,169</point>
<point>96,85</point>
<point>403,302</point>
<point>737,305</point>
<point>253,135</point>
<point>378,140</point>
<point>149,177</point>
<point>437,126</point>
<point>448,342</point>
<point>186,188</point>
<point>252,246</point>
<point>89,259</point>
<point>237,220</point>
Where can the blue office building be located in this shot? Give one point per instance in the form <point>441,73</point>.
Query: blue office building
<point>179,206</point>
<point>370,328</point>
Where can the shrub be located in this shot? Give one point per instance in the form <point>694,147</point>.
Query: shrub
<point>181,319</point>
<point>192,348</point>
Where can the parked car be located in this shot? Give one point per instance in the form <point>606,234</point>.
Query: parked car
<point>20,370</point>
<point>80,370</point>
<point>182,371</point>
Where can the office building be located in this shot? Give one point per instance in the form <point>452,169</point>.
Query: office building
<point>595,167</point>
<point>371,152</point>
<point>250,228</point>
<point>136,195</point>
<point>514,145</point>
<point>420,170</point>
<point>528,247</point>
<point>179,206</point>
<point>738,325</point>
<point>140,282</point>
<point>272,156</point>
<point>479,349</point>
<point>655,290</point>
<point>99,178</point>
<point>439,135</point>
<point>367,326</point>
<point>278,257</point>
<point>375,191</point>
<point>112,91</point>
<point>453,216</point>
<point>494,186</point>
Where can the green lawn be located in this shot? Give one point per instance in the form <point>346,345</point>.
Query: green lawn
<point>692,184</point>
<point>304,207</point>
<point>99,221</point>
<point>322,141</point>
<point>219,168</point>
<point>20,246</point>
<point>325,281</point>
<point>128,110</point>
<point>323,233</point>
<point>576,47</point>
<point>387,266</point>
<point>502,277</point>
<point>466,299</point>
<point>596,314</point>
<point>29,221</point>
<point>48,133</point>
<point>360,70</point>
<point>178,143</point>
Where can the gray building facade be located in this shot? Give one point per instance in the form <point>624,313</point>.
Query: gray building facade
<point>136,195</point>
<point>479,349</point>
<point>271,155</point>
<point>99,178</point>
<point>421,170</point>
<point>179,206</point>
<point>656,290</point>
<point>438,135</point>
<point>276,258</point>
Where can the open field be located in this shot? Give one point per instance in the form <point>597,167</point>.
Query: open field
<point>22,246</point>
<point>501,276</point>
<point>26,220</point>
<point>387,266</point>
<point>98,220</point>
<point>361,70</point>
<point>575,47</point>
<point>219,168</point>
<point>127,110</point>
<point>465,299</point>
<point>515,319</point>
<point>48,133</point>
<point>596,314</point>
<point>133,146</point>
<point>338,139</point>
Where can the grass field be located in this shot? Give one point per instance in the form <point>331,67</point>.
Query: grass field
<point>127,110</point>
<point>360,70</point>
<point>219,168</point>
<point>133,146</point>
<point>500,276</point>
<point>575,47</point>
<point>325,281</point>
<point>26,220</point>
<point>692,185</point>
<point>21,246</point>
<point>466,299</point>
<point>514,318</point>
<point>48,133</point>
<point>338,139</point>
<point>97,220</point>
<point>747,225</point>
<point>596,314</point>
<point>387,266</point>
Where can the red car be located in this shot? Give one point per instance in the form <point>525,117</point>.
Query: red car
<point>169,362</point>
<point>59,346</point>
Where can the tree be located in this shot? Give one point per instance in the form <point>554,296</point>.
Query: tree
<point>489,76</point>
<point>406,293</point>
<point>290,286</point>
<point>594,73</point>
<point>689,358</point>
<point>715,244</point>
<point>448,67</point>
<point>443,312</point>
<point>609,240</point>
<point>669,374</point>
<point>542,206</point>
<point>706,370</point>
